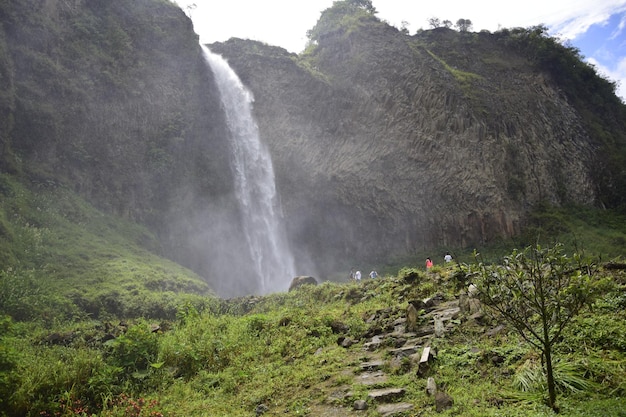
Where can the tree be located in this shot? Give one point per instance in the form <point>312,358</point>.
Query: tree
<point>434,22</point>
<point>464,25</point>
<point>538,291</point>
<point>363,4</point>
<point>404,27</point>
<point>447,24</point>
<point>343,14</point>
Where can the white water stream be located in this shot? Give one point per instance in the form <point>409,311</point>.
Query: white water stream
<point>260,207</point>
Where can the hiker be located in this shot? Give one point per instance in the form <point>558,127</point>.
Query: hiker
<point>352,275</point>
<point>429,263</point>
<point>448,257</point>
<point>373,274</point>
<point>357,276</point>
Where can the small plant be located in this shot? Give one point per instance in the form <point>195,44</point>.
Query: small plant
<point>538,291</point>
<point>132,407</point>
<point>410,275</point>
<point>135,352</point>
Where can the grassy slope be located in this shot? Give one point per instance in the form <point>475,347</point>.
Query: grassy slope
<point>282,351</point>
<point>597,233</point>
<point>60,257</point>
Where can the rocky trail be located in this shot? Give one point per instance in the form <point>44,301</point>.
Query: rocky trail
<point>408,344</point>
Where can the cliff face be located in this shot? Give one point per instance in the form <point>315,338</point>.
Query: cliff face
<point>113,100</point>
<point>383,143</point>
<point>387,143</point>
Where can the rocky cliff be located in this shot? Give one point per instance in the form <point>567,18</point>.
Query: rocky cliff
<point>387,143</point>
<point>383,143</point>
<point>113,100</point>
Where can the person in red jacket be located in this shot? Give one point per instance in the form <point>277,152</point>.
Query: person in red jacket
<point>429,263</point>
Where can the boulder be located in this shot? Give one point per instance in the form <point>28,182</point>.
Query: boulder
<point>360,405</point>
<point>300,281</point>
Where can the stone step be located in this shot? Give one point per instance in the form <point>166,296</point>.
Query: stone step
<point>386,395</point>
<point>405,351</point>
<point>374,365</point>
<point>390,410</point>
<point>371,378</point>
<point>374,344</point>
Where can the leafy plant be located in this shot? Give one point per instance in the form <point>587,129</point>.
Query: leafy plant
<point>538,291</point>
<point>568,377</point>
<point>135,352</point>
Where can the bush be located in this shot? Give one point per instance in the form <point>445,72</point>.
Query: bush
<point>411,275</point>
<point>24,297</point>
<point>136,353</point>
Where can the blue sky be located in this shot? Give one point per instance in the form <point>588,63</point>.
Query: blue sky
<point>596,27</point>
<point>604,45</point>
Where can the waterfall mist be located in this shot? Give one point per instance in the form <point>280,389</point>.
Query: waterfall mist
<point>255,188</point>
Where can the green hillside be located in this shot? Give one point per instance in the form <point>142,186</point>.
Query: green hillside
<point>317,351</point>
<point>63,260</point>
<point>94,322</point>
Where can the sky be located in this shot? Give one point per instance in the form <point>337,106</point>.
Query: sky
<point>596,27</point>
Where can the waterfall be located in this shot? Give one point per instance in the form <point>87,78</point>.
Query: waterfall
<point>255,187</point>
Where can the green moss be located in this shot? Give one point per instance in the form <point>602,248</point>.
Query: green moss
<point>463,77</point>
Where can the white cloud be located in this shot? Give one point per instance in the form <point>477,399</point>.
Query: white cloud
<point>285,22</point>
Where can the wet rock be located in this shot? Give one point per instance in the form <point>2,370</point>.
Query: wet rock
<point>439,328</point>
<point>261,409</point>
<point>405,351</point>
<point>425,361</point>
<point>374,344</point>
<point>339,327</point>
<point>495,331</point>
<point>372,365</point>
<point>345,342</point>
<point>372,378</point>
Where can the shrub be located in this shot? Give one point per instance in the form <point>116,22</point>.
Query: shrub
<point>411,275</point>
<point>136,353</point>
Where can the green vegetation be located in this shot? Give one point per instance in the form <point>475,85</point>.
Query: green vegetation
<point>280,354</point>
<point>463,77</point>
<point>344,17</point>
<point>62,259</point>
<point>93,322</point>
<point>538,291</point>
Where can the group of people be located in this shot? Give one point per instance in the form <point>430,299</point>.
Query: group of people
<point>356,276</point>
<point>447,258</point>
